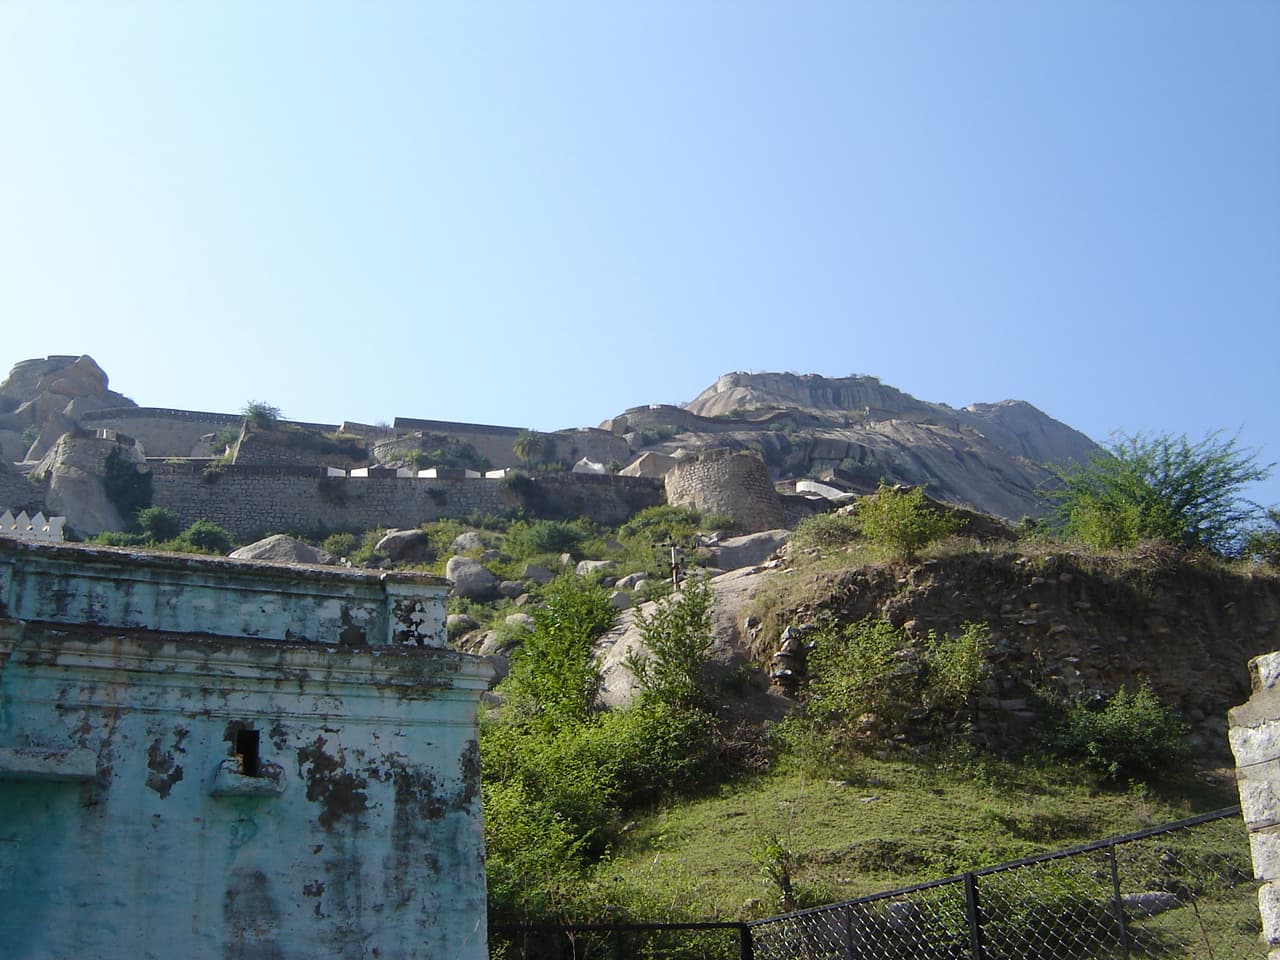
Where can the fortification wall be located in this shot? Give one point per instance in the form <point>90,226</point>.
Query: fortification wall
<point>253,500</point>
<point>723,482</point>
<point>163,432</point>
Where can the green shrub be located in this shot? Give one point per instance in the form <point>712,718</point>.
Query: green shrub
<point>114,538</point>
<point>158,523</point>
<point>825,530</point>
<point>678,636</point>
<point>261,413</point>
<point>1130,735</point>
<point>553,673</point>
<point>340,544</point>
<point>902,522</point>
<point>126,485</point>
<point>955,666</point>
<point>525,539</point>
<point>206,537</point>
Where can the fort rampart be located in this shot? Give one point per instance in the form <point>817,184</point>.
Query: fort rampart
<point>250,500</point>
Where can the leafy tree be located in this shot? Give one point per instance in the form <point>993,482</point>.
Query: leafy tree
<point>1162,488</point>
<point>529,446</point>
<point>902,521</point>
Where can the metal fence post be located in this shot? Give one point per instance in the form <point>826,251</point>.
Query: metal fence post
<point>971,911</point>
<point>746,948</point>
<point>1119,904</point>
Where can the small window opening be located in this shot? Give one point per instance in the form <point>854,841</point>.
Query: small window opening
<point>247,752</point>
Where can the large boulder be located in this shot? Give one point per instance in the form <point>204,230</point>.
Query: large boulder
<point>749,551</point>
<point>281,548</point>
<point>471,579</point>
<point>71,477</point>
<point>17,493</point>
<point>406,546</point>
<point>466,542</point>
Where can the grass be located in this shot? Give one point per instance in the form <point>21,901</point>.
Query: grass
<point>872,825</point>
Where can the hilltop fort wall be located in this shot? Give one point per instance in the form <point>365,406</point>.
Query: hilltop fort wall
<point>249,500</point>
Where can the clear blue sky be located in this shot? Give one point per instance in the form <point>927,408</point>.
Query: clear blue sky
<point>543,213</point>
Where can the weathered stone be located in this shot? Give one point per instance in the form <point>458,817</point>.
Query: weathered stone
<point>620,600</point>
<point>406,546</point>
<point>511,588</point>
<point>466,542</point>
<point>471,579</point>
<point>72,478</point>
<point>458,624</point>
<point>632,580</point>
<point>587,568</point>
<point>281,548</point>
<point>537,573</point>
<point>748,551</point>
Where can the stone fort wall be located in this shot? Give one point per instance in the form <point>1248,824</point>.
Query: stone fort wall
<point>251,500</point>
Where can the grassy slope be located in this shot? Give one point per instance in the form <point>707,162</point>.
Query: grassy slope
<point>876,824</point>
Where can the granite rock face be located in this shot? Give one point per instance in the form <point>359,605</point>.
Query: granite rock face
<point>71,478</point>
<point>992,457</point>
<point>281,548</point>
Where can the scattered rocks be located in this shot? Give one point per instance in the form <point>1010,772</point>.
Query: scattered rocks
<point>587,568</point>
<point>466,542</point>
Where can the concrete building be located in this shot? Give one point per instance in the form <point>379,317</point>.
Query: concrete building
<point>204,758</point>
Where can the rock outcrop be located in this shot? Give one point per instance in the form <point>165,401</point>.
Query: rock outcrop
<point>993,457</point>
<point>46,397</point>
<point>71,476</point>
<point>281,548</point>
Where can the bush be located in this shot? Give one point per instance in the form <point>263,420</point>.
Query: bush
<point>1128,735</point>
<point>340,544</point>
<point>553,673</point>
<point>1160,488</point>
<point>126,485</point>
<point>1263,542</point>
<point>206,537</point>
<point>825,530</point>
<point>901,522</point>
<point>678,635</point>
<point>158,523</point>
<point>525,539</point>
<point>260,413</point>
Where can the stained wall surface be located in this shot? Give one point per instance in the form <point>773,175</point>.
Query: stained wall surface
<point>172,793</point>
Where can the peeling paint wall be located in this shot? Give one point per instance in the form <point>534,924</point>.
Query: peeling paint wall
<point>164,794</point>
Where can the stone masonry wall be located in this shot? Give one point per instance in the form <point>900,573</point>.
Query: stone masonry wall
<point>253,500</point>
<point>722,482</point>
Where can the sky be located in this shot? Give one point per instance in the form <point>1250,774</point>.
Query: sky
<point>541,214</point>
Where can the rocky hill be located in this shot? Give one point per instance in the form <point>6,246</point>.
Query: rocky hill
<point>851,432</point>
<point>990,456</point>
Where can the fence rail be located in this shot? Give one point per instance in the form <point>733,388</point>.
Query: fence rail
<point>1183,890</point>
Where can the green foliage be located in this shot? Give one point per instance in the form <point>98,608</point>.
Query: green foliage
<point>158,523</point>
<point>340,544</point>
<point>126,485</point>
<point>1162,488</point>
<point>261,413</point>
<point>553,673</point>
<point>902,522</point>
<point>1263,542</point>
<point>647,536</point>
<point>526,539</point>
<point>206,537</point>
<point>871,669</point>
<point>825,530</point>
<point>851,672</point>
<point>956,665</point>
<point>1129,735</point>
<point>678,636</point>
<point>30,436</point>
<point>530,446</point>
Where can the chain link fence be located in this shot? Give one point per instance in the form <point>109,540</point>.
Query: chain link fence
<point>1184,891</point>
